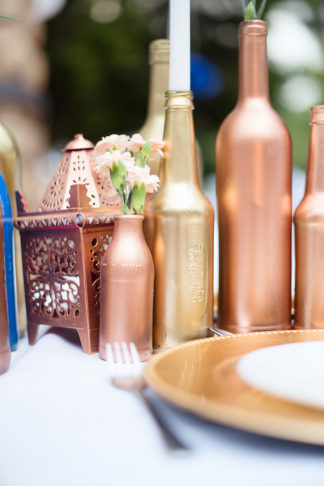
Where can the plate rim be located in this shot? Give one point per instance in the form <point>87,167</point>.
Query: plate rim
<point>222,413</point>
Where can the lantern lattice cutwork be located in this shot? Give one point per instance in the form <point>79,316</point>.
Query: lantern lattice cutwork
<point>63,244</point>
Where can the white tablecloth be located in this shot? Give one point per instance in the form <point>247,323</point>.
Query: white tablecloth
<point>63,424</point>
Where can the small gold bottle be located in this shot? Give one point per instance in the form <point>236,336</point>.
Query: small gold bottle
<point>10,167</point>
<point>309,233</point>
<point>179,230</point>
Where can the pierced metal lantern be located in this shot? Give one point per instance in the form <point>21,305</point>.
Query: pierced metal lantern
<point>63,243</point>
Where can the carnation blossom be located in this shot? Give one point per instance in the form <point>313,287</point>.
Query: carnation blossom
<point>156,146</point>
<point>135,143</point>
<point>141,175</point>
<point>111,142</point>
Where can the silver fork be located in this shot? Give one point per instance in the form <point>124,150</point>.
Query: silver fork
<point>126,372</point>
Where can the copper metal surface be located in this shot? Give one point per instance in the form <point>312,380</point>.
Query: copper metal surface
<point>253,179</point>
<point>179,228</point>
<point>127,282</point>
<point>201,377</point>
<point>10,167</point>
<point>63,245</point>
<point>309,233</point>
<point>78,166</point>
<point>4,324</point>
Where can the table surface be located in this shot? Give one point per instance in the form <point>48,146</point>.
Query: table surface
<point>63,424</point>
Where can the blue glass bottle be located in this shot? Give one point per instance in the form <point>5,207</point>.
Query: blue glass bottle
<point>9,263</point>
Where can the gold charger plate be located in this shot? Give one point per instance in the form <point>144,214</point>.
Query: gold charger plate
<point>201,377</point>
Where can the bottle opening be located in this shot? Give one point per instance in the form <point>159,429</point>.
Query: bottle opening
<point>178,99</point>
<point>317,114</point>
<point>253,27</point>
<point>159,51</point>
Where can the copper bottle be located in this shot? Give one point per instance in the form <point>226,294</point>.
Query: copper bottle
<point>253,181</point>
<point>309,233</point>
<point>179,229</point>
<point>126,293</point>
<point>4,324</point>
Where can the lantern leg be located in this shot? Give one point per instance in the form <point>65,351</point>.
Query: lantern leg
<point>32,329</point>
<point>89,340</point>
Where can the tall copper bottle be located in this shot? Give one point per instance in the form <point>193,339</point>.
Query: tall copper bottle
<point>179,228</point>
<point>253,180</point>
<point>126,293</point>
<point>4,324</point>
<point>309,233</point>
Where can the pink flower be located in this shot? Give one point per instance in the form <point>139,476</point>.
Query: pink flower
<point>135,143</point>
<point>141,175</point>
<point>112,142</point>
<point>107,159</point>
<point>156,145</point>
<point>128,159</point>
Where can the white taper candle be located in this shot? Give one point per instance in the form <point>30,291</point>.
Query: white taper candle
<point>179,78</point>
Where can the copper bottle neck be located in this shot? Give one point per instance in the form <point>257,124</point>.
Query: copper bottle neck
<point>315,166</point>
<point>179,164</point>
<point>159,76</point>
<point>126,226</point>
<point>253,61</point>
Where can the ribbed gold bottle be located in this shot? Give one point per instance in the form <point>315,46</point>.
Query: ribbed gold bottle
<point>309,233</point>
<point>179,229</point>
<point>253,176</point>
<point>10,167</point>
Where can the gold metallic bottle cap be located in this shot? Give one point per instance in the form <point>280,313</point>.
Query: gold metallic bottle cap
<point>159,51</point>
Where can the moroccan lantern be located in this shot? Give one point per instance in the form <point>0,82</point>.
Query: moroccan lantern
<point>63,243</point>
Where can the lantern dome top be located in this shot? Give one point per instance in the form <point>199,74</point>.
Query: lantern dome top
<point>79,143</point>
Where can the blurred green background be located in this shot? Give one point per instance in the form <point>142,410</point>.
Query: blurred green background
<point>97,51</point>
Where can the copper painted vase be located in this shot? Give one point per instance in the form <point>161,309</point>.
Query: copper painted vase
<point>253,180</point>
<point>126,294</point>
<point>309,233</point>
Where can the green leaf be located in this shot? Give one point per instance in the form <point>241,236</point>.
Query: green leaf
<point>116,179</point>
<point>143,155</point>
<point>138,198</point>
<point>261,8</point>
<point>250,13</point>
<point>122,169</point>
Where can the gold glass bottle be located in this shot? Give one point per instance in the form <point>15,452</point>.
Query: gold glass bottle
<point>253,180</point>
<point>159,54</point>
<point>179,229</point>
<point>10,167</point>
<point>309,233</point>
